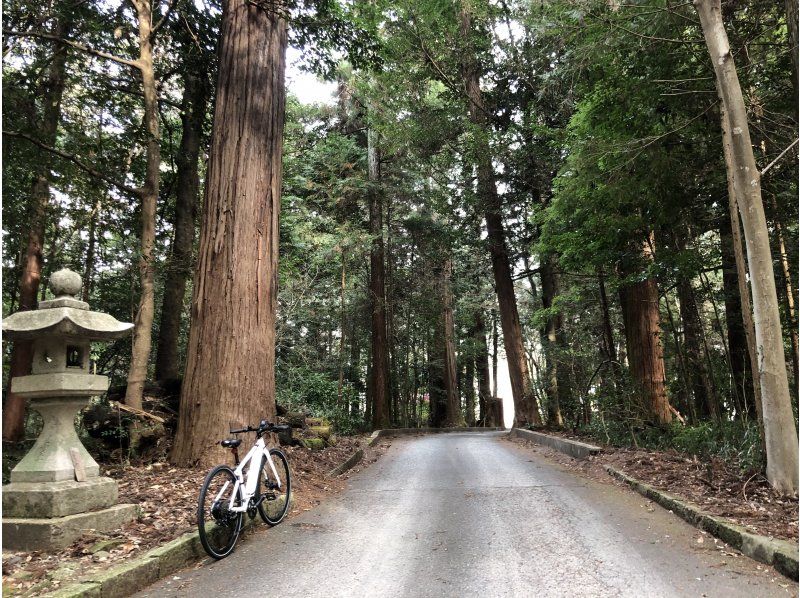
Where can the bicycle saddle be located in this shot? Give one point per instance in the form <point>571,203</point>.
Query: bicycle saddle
<point>231,442</point>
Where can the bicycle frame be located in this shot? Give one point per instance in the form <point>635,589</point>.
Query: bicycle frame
<point>251,483</point>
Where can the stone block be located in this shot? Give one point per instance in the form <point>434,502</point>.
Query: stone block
<point>127,579</point>
<point>59,384</point>
<point>42,500</point>
<point>573,448</point>
<point>80,590</point>
<point>177,554</point>
<point>59,532</point>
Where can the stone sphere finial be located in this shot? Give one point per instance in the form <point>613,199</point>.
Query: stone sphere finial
<point>65,282</point>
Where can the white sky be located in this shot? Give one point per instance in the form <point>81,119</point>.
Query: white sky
<point>307,88</point>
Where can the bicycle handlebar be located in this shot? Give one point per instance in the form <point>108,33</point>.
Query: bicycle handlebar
<point>263,427</point>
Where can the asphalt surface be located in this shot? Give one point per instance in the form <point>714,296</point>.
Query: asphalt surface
<point>472,514</point>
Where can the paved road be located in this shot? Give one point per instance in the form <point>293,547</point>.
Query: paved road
<point>468,514</point>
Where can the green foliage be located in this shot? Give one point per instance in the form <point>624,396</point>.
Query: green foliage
<point>306,390</point>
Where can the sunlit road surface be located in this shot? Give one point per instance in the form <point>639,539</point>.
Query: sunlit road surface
<point>466,514</point>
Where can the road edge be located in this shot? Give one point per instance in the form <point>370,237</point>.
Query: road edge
<point>391,432</point>
<point>573,448</point>
<point>159,562</point>
<point>781,554</point>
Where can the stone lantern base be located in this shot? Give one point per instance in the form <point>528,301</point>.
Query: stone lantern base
<point>52,515</point>
<point>59,532</point>
<point>44,507</point>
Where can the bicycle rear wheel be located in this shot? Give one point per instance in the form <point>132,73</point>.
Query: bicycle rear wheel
<point>219,527</point>
<point>275,493</point>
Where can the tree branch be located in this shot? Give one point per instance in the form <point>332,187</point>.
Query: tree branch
<point>72,158</point>
<point>163,19</point>
<point>78,46</point>
<point>781,155</point>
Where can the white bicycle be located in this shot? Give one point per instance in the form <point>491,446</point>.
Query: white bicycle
<point>228,494</point>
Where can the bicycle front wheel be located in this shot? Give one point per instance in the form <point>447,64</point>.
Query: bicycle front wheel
<point>218,525</point>
<point>275,493</point>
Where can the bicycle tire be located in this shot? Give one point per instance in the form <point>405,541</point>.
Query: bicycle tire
<point>274,503</point>
<point>219,527</point>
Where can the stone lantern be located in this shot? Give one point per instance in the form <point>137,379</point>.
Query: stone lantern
<point>56,491</point>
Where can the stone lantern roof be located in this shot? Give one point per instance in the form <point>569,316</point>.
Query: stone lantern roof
<point>64,316</point>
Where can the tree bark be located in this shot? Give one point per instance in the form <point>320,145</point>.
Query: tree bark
<point>143,323</point>
<point>230,370</point>
<point>705,400</point>
<point>741,372</point>
<point>481,365</point>
<point>21,351</point>
<point>788,289</point>
<point>437,389</point>
<point>453,416</point>
<point>558,383</point>
<point>779,427</point>
<point>469,391</point>
<point>741,268</point>
<point>643,341</point>
<point>194,106</point>
<point>702,392</point>
<point>340,404</point>
<point>494,355</point>
<point>379,380</point>
<point>526,410</point>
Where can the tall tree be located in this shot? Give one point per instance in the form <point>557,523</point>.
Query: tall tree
<point>526,409</point>
<point>379,379</point>
<point>194,106</point>
<point>738,352</point>
<point>230,372</point>
<point>640,314</point>
<point>453,415</point>
<point>481,364</point>
<point>779,427</point>
<point>51,91</point>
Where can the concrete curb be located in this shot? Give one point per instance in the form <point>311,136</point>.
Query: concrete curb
<point>780,554</point>
<point>392,432</point>
<point>351,462</point>
<point>157,563</point>
<point>573,448</point>
<point>132,576</point>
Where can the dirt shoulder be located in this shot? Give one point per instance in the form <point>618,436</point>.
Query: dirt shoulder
<point>715,486</point>
<point>168,500</point>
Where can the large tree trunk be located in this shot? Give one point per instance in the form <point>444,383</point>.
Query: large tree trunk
<point>143,323</point>
<point>779,427</point>
<point>379,379</point>
<point>526,410</point>
<point>453,416</point>
<point>481,365</point>
<point>555,345</point>
<point>788,289</point>
<point>741,372</point>
<point>643,341</point>
<point>91,251</point>
<point>437,390</point>
<point>22,351</point>
<point>705,401</point>
<point>469,391</point>
<point>179,267</point>
<point>230,364</point>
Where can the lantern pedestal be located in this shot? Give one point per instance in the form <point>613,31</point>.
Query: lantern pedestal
<point>53,457</point>
<point>56,493</point>
<point>52,534</point>
<point>44,507</point>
